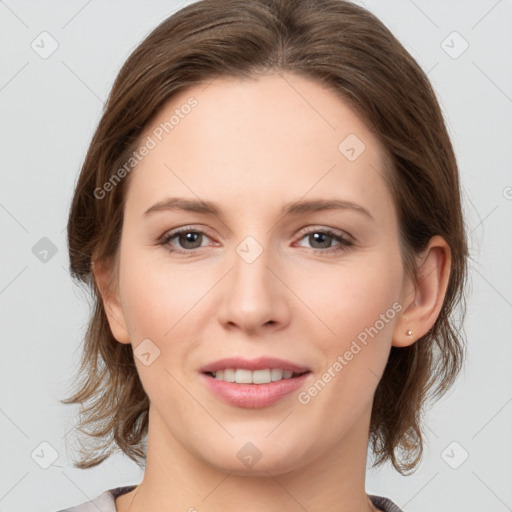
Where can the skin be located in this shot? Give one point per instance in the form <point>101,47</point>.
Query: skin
<point>251,147</point>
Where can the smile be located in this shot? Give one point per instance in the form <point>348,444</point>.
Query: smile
<point>242,376</point>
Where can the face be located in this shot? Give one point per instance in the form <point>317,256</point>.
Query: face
<point>269,273</point>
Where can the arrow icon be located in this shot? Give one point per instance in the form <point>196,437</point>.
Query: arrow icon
<point>454,45</point>
<point>351,147</point>
<point>454,455</point>
<point>147,352</point>
<point>249,253</point>
<point>44,250</point>
<point>44,455</point>
<point>45,45</point>
<point>249,454</point>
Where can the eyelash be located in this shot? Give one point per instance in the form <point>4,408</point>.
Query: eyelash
<point>343,245</point>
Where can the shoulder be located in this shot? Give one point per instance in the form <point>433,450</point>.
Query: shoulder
<point>104,502</point>
<point>384,504</point>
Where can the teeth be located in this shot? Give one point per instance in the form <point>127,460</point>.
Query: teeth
<point>241,376</point>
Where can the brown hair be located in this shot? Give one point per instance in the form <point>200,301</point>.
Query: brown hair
<point>337,44</point>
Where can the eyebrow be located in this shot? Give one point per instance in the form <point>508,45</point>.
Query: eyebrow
<point>294,208</point>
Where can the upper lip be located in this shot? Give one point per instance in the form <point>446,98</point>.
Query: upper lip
<point>261,363</point>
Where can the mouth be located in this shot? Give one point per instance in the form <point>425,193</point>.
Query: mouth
<point>256,377</point>
<point>254,383</point>
<point>260,366</point>
<point>254,396</point>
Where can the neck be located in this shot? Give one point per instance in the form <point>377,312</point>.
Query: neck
<point>176,479</point>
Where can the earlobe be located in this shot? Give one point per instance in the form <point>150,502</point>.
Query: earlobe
<point>424,302</point>
<point>106,282</point>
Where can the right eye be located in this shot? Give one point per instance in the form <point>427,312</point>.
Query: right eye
<point>189,240</point>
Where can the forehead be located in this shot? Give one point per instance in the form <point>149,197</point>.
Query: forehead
<point>274,137</point>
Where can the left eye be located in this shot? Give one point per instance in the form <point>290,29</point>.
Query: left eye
<point>324,237</point>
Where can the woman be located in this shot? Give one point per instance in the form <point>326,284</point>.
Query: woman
<point>269,217</point>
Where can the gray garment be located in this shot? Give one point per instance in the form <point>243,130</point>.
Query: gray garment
<point>384,504</point>
<point>105,502</point>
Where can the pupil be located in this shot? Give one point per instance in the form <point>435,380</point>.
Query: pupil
<point>189,238</point>
<point>317,236</point>
<point>192,238</point>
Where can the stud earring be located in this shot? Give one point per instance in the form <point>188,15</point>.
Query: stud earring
<point>409,333</point>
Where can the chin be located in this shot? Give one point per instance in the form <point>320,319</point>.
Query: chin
<point>256,459</point>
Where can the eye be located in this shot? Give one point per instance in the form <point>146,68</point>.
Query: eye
<point>321,240</point>
<point>188,240</point>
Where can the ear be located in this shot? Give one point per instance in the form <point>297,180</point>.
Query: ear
<point>105,276</point>
<point>423,299</point>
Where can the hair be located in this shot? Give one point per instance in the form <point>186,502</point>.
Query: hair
<point>347,49</point>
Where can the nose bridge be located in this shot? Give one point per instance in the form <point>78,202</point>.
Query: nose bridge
<point>254,297</point>
<point>253,256</point>
<point>250,276</point>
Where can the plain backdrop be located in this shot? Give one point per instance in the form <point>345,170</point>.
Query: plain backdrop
<point>49,107</point>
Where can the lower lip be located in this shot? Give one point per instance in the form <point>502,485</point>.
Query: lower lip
<point>253,396</point>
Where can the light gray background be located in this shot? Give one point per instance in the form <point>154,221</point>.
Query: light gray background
<point>48,111</point>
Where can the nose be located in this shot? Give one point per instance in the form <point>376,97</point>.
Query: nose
<point>255,299</point>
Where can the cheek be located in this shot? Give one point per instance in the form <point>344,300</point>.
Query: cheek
<point>157,296</point>
<point>157,304</point>
<point>354,297</point>
<point>360,304</point>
